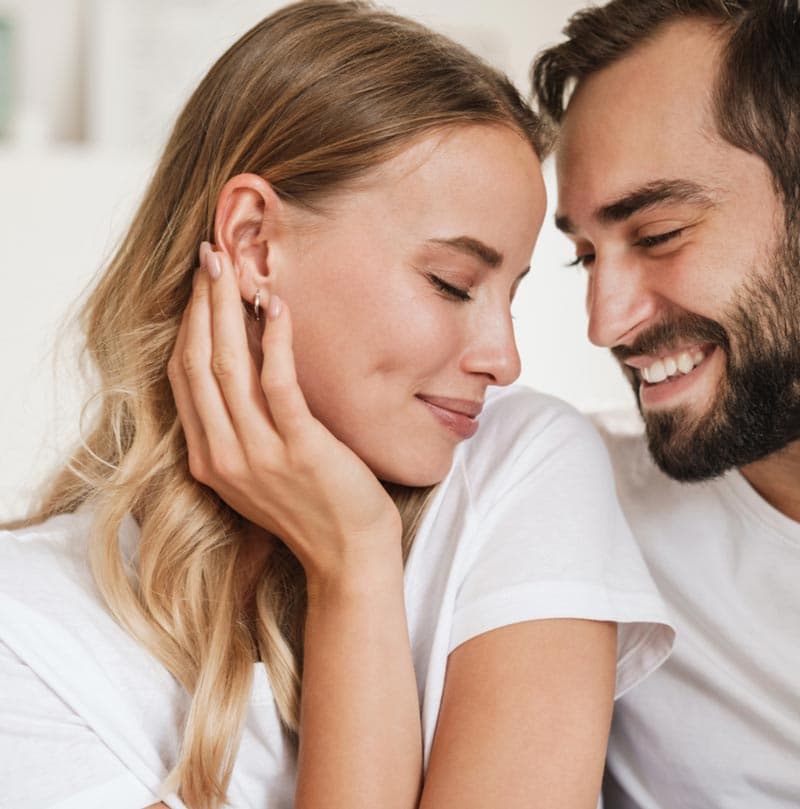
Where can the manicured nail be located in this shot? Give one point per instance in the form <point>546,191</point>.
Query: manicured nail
<point>274,308</point>
<point>209,260</point>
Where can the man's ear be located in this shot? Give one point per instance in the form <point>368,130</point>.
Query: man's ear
<point>247,218</point>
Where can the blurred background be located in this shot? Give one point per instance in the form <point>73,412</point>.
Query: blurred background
<point>88,92</point>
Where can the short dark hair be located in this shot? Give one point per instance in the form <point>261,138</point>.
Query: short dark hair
<point>757,96</point>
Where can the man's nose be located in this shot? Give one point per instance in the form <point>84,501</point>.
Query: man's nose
<point>618,301</point>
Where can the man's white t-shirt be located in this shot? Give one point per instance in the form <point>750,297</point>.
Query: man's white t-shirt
<point>718,726</point>
<point>525,526</point>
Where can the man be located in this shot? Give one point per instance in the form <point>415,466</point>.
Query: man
<point>678,160</point>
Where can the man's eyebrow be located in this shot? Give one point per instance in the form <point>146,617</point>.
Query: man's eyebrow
<point>641,199</point>
<point>472,247</point>
<point>653,194</point>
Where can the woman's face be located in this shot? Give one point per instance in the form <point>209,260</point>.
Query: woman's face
<point>401,294</point>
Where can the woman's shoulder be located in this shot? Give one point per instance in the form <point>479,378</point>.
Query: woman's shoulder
<point>47,587</point>
<point>522,430</point>
<point>519,416</point>
<point>540,533</point>
<point>32,558</point>
<point>54,529</point>
<point>46,577</point>
<point>62,640</point>
<point>526,404</point>
<point>57,548</point>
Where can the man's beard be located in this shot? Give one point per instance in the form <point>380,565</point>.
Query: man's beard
<point>756,410</point>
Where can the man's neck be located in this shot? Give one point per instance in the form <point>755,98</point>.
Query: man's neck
<point>777,479</point>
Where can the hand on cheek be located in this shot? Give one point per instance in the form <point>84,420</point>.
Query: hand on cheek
<point>251,438</point>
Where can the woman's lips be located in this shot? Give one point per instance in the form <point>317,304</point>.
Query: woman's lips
<point>458,415</point>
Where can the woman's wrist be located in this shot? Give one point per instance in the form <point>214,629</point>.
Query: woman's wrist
<point>366,570</point>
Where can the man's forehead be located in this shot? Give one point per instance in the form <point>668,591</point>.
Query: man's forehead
<point>682,53</point>
<point>644,120</point>
<point>656,87</point>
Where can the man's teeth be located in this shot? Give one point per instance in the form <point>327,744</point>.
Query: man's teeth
<point>662,369</point>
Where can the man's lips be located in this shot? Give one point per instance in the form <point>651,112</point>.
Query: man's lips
<point>646,360</point>
<point>463,407</point>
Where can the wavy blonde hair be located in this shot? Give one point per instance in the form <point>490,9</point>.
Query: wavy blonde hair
<point>311,98</point>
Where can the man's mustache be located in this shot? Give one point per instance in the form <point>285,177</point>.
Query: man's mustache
<point>673,333</point>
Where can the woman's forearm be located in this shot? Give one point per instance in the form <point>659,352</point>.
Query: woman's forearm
<point>360,735</point>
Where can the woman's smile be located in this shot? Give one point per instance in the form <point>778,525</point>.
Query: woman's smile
<point>460,416</point>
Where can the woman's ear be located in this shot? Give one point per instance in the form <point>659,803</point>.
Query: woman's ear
<point>246,220</point>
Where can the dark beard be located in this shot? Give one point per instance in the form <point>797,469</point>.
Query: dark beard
<point>756,410</point>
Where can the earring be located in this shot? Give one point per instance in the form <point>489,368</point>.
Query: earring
<point>257,305</point>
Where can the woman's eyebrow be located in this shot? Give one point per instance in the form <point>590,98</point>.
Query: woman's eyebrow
<point>472,247</point>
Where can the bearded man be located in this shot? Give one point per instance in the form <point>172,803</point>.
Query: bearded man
<point>678,162</point>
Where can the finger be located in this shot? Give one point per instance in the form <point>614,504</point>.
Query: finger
<point>232,362</point>
<point>196,358</point>
<point>196,443</point>
<point>285,400</point>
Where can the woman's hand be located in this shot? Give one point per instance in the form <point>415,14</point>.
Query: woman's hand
<point>251,437</point>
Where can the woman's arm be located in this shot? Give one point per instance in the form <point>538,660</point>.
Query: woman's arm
<point>525,717</point>
<point>252,439</point>
<point>360,737</point>
<point>523,724</point>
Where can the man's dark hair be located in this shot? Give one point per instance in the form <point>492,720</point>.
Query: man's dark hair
<point>757,95</point>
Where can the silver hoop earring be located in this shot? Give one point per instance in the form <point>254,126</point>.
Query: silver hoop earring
<point>257,305</point>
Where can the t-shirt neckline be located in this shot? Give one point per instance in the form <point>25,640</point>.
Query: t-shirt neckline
<point>744,495</point>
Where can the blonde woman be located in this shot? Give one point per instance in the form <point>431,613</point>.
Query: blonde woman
<point>305,557</point>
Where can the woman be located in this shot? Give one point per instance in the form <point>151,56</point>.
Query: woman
<point>288,568</point>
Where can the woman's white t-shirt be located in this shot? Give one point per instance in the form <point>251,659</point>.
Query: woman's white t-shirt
<point>525,526</point>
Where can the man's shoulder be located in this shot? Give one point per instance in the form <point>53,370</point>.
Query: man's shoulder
<point>623,434</point>
<point>656,505</point>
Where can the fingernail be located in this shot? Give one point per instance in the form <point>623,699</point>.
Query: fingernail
<point>274,308</point>
<point>209,261</point>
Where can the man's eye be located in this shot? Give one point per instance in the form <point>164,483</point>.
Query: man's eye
<point>448,289</point>
<point>657,239</point>
<point>584,259</point>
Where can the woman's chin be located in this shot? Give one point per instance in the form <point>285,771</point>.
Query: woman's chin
<point>399,459</point>
<point>421,475</point>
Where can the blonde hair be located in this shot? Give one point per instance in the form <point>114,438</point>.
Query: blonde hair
<point>311,98</point>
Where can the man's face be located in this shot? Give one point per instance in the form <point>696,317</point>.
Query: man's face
<point>693,279</point>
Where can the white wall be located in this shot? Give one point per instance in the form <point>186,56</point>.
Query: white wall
<point>62,205</point>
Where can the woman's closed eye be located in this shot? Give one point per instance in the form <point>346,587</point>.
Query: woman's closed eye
<point>450,291</point>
